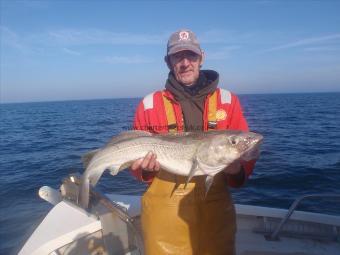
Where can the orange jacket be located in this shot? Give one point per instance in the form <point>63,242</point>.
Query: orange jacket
<point>224,112</point>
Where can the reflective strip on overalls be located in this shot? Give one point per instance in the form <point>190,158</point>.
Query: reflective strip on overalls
<point>212,106</point>
<point>170,114</point>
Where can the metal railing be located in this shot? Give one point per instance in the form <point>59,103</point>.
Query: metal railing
<point>120,212</point>
<point>70,191</point>
<point>274,236</point>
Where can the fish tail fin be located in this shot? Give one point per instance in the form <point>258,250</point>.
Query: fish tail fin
<point>84,194</point>
<point>208,182</point>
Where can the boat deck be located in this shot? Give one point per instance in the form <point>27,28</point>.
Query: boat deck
<point>68,229</point>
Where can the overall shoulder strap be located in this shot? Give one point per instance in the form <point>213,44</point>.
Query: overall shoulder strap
<point>212,107</point>
<point>170,114</point>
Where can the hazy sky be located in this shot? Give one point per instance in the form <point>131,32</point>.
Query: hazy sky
<point>61,50</point>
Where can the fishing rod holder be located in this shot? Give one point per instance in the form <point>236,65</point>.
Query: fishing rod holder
<point>112,216</point>
<point>274,236</point>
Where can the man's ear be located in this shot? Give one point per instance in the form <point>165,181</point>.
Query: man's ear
<point>202,57</point>
<point>167,61</point>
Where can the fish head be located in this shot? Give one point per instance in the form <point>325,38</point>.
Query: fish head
<point>247,144</point>
<point>229,146</point>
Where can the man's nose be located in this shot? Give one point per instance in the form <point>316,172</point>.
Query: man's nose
<point>185,61</point>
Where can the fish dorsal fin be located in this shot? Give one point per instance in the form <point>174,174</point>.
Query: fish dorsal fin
<point>185,138</point>
<point>126,135</point>
<point>175,134</point>
<point>86,158</point>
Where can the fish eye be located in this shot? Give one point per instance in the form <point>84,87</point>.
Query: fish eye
<point>233,140</point>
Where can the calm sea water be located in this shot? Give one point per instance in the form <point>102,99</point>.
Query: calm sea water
<point>42,142</point>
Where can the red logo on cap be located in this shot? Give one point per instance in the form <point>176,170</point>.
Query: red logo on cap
<point>184,35</point>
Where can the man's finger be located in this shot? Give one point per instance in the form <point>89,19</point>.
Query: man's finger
<point>135,165</point>
<point>157,166</point>
<point>146,160</point>
<point>152,163</point>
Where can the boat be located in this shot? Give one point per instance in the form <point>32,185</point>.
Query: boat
<point>111,225</point>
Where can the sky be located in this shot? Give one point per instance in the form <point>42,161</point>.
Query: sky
<point>73,50</point>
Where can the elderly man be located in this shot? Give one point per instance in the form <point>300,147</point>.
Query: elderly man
<point>178,220</point>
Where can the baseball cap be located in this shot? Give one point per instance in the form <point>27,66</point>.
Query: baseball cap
<point>183,39</point>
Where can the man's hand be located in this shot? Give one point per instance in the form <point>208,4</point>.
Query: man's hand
<point>149,163</point>
<point>236,172</point>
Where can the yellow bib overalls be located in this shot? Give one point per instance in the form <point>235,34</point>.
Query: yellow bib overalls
<point>187,221</point>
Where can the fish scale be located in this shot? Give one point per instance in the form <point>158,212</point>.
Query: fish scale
<point>170,155</point>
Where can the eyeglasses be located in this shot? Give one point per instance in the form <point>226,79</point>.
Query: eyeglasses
<point>189,55</point>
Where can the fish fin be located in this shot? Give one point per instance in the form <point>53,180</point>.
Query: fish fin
<point>190,137</point>
<point>114,169</point>
<point>86,158</point>
<point>128,135</point>
<point>174,189</point>
<point>175,134</point>
<point>208,182</point>
<point>210,170</point>
<point>125,165</point>
<point>89,180</point>
<point>193,170</point>
<point>84,194</point>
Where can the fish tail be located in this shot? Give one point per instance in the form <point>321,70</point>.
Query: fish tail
<point>86,158</point>
<point>84,193</point>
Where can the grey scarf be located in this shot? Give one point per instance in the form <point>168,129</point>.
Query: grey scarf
<point>192,98</point>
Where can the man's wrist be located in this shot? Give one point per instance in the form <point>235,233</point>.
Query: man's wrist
<point>148,174</point>
<point>239,176</point>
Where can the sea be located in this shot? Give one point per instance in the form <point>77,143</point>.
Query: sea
<point>42,143</point>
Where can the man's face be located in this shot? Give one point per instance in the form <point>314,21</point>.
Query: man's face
<point>185,66</point>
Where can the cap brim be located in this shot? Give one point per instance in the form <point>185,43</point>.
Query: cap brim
<point>179,48</point>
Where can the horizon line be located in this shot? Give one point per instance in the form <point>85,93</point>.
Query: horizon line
<point>119,98</point>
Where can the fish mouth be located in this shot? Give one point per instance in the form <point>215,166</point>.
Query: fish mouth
<point>253,151</point>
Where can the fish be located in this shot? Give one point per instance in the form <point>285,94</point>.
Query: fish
<point>186,153</point>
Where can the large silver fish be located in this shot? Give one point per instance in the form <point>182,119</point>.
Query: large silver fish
<point>188,154</point>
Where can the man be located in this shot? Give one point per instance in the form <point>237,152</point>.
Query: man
<point>178,220</point>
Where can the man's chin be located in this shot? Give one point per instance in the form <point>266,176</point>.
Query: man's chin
<point>187,81</point>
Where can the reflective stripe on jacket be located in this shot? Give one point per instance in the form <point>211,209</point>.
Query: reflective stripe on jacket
<point>159,112</point>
